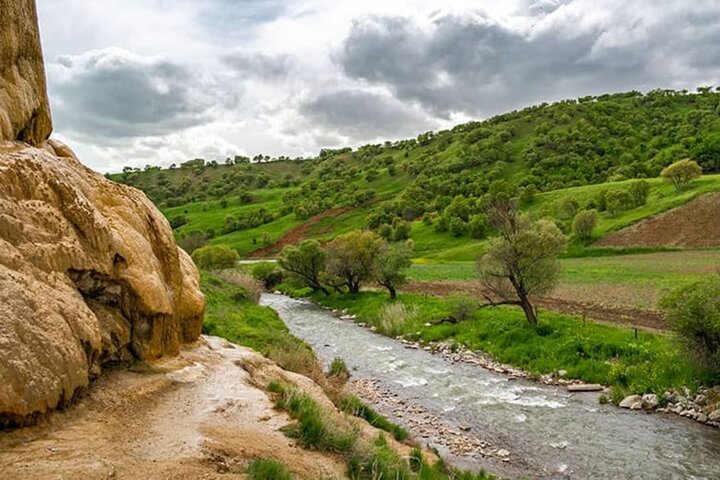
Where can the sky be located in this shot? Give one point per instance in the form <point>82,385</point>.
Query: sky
<point>138,82</point>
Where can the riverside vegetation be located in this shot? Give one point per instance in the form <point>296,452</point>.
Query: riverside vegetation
<point>575,172</point>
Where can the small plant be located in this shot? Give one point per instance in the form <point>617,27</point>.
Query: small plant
<point>462,307</point>
<point>262,469</point>
<point>215,257</point>
<point>339,369</point>
<point>252,288</point>
<point>603,399</point>
<point>394,316</point>
<point>267,273</point>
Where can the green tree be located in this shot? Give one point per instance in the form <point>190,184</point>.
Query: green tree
<point>477,226</point>
<point>584,224</point>
<point>522,260</point>
<point>306,261</point>
<point>215,257</point>
<point>639,191</point>
<point>390,265</point>
<point>694,313</point>
<point>351,257</point>
<point>681,173</point>
<point>617,201</point>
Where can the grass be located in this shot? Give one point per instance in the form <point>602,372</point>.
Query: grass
<point>318,429</point>
<point>588,351</point>
<point>229,315</point>
<point>263,469</point>
<point>356,407</point>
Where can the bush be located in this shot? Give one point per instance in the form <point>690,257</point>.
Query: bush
<point>268,273</point>
<point>462,307</point>
<point>584,224</point>
<point>477,226</point>
<point>192,242</point>
<point>694,313</point>
<point>215,257</point>
<point>262,469</point>
<point>250,285</point>
<point>617,201</point>
<point>681,173</point>
<point>394,316</point>
<point>178,221</point>
<point>567,207</point>
<point>639,191</point>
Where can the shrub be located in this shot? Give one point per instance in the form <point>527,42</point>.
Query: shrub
<point>584,224</point>
<point>215,257</point>
<point>262,469</point>
<point>394,316</point>
<point>457,226</point>
<point>477,226</point>
<point>617,201</point>
<point>193,241</point>
<point>567,207</point>
<point>694,313</point>
<point>178,221</point>
<point>296,358</point>
<point>681,173</point>
<point>268,273</point>
<point>639,191</point>
<point>253,287</point>
<point>462,307</point>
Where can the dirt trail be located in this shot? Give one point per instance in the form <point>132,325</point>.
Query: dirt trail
<point>616,314</point>
<point>296,235</point>
<point>198,415</point>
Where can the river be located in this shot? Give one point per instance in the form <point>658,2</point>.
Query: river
<point>550,433</point>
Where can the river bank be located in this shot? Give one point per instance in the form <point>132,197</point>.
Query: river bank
<point>548,432</point>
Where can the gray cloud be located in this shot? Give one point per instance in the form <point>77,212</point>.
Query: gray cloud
<point>259,65</point>
<point>478,67</point>
<point>117,94</point>
<point>363,115</point>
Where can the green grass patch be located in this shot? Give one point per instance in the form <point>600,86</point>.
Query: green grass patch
<point>356,407</point>
<point>588,351</point>
<point>263,469</point>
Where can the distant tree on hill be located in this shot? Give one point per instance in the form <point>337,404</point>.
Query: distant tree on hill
<point>307,262</point>
<point>584,224</point>
<point>617,201</point>
<point>215,257</point>
<point>682,173</point>
<point>639,191</point>
<point>522,260</point>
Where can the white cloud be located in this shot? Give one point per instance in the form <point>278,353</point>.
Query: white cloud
<point>159,81</point>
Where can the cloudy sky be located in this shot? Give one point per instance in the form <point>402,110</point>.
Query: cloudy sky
<point>136,82</point>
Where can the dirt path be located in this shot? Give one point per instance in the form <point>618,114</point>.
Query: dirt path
<point>615,314</point>
<point>194,416</point>
<point>296,235</point>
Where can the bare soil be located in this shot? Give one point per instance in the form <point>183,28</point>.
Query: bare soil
<point>695,224</point>
<point>199,415</point>
<point>296,235</point>
<point>564,300</point>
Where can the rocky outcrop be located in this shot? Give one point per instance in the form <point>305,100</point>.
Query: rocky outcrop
<point>89,274</point>
<point>89,271</point>
<point>24,107</point>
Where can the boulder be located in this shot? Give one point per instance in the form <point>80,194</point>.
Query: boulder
<point>89,271</point>
<point>650,401</point>
<point>24,106</point>
<point>584,387</point>
<point>633,402</point>
<point>714,416</point>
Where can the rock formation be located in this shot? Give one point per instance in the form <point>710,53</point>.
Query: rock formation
<point>89,271</point>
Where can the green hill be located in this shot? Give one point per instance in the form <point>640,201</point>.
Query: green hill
<point>433,187</point>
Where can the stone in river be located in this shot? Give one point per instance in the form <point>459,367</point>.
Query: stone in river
<point>631,401</point>
<point>584,387</point>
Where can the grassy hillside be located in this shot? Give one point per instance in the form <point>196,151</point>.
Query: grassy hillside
<point>433,188</point>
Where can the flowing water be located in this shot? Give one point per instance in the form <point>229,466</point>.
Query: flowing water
<point>553,433</point>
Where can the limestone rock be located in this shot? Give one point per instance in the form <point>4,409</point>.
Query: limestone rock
<point>633,402</point>
<point>24,106</point>
<point>714,416</point>
<point>89,274</point>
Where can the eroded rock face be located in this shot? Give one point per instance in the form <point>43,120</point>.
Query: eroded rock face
<point>89,274</point>
<point>24,107</point>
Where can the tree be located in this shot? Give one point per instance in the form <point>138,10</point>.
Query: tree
<point>522,260</point>
<point>584,223</point>
<point>617,201</point>
<point>306,261</point>
<point>694,313</point>
<point>681,173</point>
<point>390,265</point>
<point>350,258</point>
<point>215,257</point>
